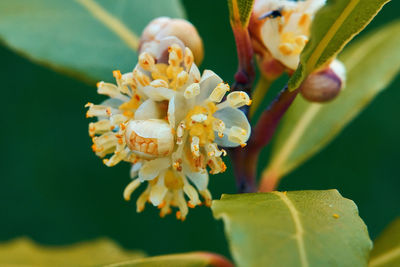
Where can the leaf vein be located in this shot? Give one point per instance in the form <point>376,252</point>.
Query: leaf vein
<point>112,23</point>
<point>330,34</point>
<point>298,225</point>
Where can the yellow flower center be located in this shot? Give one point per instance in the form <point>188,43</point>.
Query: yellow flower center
<point>172,181</point>
<point>199,122</point>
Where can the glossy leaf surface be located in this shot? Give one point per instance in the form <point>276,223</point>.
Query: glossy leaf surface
<point>84,38</point>
<point>308,127</point>
<point>332,28</point>
<point>299,228</point>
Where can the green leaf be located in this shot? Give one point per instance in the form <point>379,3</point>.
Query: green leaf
<point>240,12</point>
<point>84,38</point>
<point>24,252</point>
<point>332,28</point>
<point>386,252</point>
<point>300,228</point>
<point>308,127</point>
<point>192,259</point>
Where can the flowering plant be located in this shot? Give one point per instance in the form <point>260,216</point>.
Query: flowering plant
<point>179,123</point>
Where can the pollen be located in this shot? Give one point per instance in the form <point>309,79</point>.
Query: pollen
<point>117,74</point>
<point>301,40</point>
<point>336,216</point>
<point>305,20</point>
<point>286,49</point>
<point>161,205</point>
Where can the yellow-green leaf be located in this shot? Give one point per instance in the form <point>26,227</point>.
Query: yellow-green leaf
<point>386,252</point>
<point>192,259</point>
<point>84,38</point>
<point>332,28</point>
<point>372,63</point>
<point>240,12</point>
<point>24,252</point>
<point>300,228</point>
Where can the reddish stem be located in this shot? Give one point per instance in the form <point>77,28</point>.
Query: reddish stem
<point>245,167</point>
<point>244,78</point>
<point>269,120</point>
<point>245,74</point>
<point>245,160</point>
<point>215,259</point>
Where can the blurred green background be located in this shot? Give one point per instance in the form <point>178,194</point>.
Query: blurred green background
<point>56,191</point>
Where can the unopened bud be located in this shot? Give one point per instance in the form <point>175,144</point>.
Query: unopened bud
<point>163,27</point>
<point>324,85</point>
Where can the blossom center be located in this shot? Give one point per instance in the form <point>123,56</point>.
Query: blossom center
<point>172,181</point>
<point>200,121</point>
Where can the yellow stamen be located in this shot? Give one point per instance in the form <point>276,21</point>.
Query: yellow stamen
<point>286,49</point>
<point>117,74</point>
<point>146,61</point>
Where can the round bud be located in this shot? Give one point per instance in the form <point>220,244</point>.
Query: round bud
<point>151,138</point>
<point>324,85</point>
<point>163,27</point>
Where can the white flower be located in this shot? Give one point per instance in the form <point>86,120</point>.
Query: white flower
<point>285,36</point>
<point>168,121</point>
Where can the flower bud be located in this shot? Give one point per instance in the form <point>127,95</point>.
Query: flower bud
<point>163,27</point>
<point>149,137</point>
<point>324,85</point>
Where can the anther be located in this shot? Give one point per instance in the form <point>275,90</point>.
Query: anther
<point>159,83</point>
<point>146,61</point>
<point>238,99</point>
<point>117,74</point>
<point>286,49</point>
<point>219,92</point>
<point>182,78</point>
<point>192,91</point>
<point>188,59</point>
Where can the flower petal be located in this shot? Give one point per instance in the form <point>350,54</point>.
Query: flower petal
<point>153,168</point>
<point>148,110</point>
<point>209,80</point>
<point>158,191</point>
<point>177,109</point>
<point>112,103</point>
<point>135,169</point>
<point>199,179</point>
<point>231,117</point>
<point>171,112</point>
<point>158,93</point>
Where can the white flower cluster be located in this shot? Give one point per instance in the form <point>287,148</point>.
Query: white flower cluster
<point>168,121</point>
